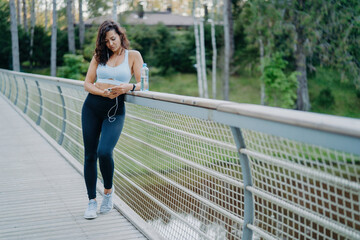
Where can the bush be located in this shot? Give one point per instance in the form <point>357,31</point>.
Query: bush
<point>280,87</point>
<point>75,67</point>
<point>326,98</point>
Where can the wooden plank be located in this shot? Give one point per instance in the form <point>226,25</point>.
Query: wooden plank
<point>42,195</point>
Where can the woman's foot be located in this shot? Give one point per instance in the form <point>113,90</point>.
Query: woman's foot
<point>107,202</point>
<point>90,212</point>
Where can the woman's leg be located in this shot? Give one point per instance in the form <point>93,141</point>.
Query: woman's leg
<point>91,126</point>
<point>110,134</point>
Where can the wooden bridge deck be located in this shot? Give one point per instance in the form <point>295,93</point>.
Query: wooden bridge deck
<point>41,195</point>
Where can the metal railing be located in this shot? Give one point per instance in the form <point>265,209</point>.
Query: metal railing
<point>205,169</point>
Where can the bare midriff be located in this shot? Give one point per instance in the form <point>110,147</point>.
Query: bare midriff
<point>104,86</point>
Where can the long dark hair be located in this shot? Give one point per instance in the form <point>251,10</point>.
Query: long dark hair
<point>102,53</point>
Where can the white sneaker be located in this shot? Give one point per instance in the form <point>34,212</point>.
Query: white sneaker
<point>90,212</point>
<point>107,203</point>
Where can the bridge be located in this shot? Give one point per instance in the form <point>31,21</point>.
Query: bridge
<point>185,168</point>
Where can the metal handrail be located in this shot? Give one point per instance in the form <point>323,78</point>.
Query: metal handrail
<point>207,169</point>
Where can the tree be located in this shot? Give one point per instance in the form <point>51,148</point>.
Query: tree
<point>308,34</point>
<point>227,50</point>
<point>97,7</point>
<point>324,29</point>
<point>203,60</point>
<point>261,22</point>
<point>32,29</point>
<point>70,25</point>
<point>18,10</point>
<point>46,15</point>
<point>303,101</point>
<point>81,26</point>
<point>14,37</point>
<point>213,44</point>
<point>280,87</point>
<point>25,16</point>
<point>53,42</point>
<point>5,50</point>
<point>114,10</point>
<point>198,53</point>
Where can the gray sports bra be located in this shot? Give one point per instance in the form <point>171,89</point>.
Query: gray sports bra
<point>114,75</point>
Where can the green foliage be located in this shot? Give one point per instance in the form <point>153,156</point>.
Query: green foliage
<point>42,47</point>
<point>280,88</point>
<point>90,43</point>
<point>5,39</point>
<point>346,103</point>
<point>97,7</point>
<point>75,67</point>
<point>326,98</point>
<point>162,47</point>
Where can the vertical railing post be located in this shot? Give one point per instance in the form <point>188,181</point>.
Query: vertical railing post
<point>17,90</point>
<point>61,138</point>
<point>10,88</point>
<point>27,96</point>
<point>41,103</point>
<point>1,82</point>
<point>4,87</point>
<point>246,172</point>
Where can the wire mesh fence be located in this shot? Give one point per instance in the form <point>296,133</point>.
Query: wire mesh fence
<point>180,167</point>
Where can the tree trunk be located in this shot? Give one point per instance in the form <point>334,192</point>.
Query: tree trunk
<point>46,15</point>
<point>25,16</point>
<point>303,101</point>
<point>114,10</point>
<point>18,9</point>
<point>203,60</point>
<point>32,30</point>
<point>198,58</point>
<point>262,84</point>
<point>14,37</point>
<point>231,27</point>
<point>197,47</point>
<point>70,24</point>
<point>214,57</point>
<point>227,51</point>
<point>53,41</point>
<point>81,26</point>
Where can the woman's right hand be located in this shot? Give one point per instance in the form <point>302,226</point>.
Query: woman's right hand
<point>109,94</point>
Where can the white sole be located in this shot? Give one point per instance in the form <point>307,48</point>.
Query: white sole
<point>90,218</point>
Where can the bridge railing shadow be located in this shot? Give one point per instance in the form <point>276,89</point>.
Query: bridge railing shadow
<point>196,168</point>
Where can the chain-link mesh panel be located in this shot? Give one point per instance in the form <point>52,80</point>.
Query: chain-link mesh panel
<point>73,141</point>
<point>307,178</point>
<point>188,169</point>
<point>52,110</point>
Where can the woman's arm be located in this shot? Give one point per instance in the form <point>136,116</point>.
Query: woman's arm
<point>90,79</point>
<point>136,67</point>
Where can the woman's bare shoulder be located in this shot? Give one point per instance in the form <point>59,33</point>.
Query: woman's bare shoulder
<point>134,53</point>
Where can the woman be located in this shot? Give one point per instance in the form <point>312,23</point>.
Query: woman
<point>103,112</point>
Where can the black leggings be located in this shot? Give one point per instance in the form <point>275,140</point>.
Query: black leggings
<point>100,135</point>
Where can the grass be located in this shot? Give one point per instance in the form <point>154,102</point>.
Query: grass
<point>346,103</point>
<point>243,89</point>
